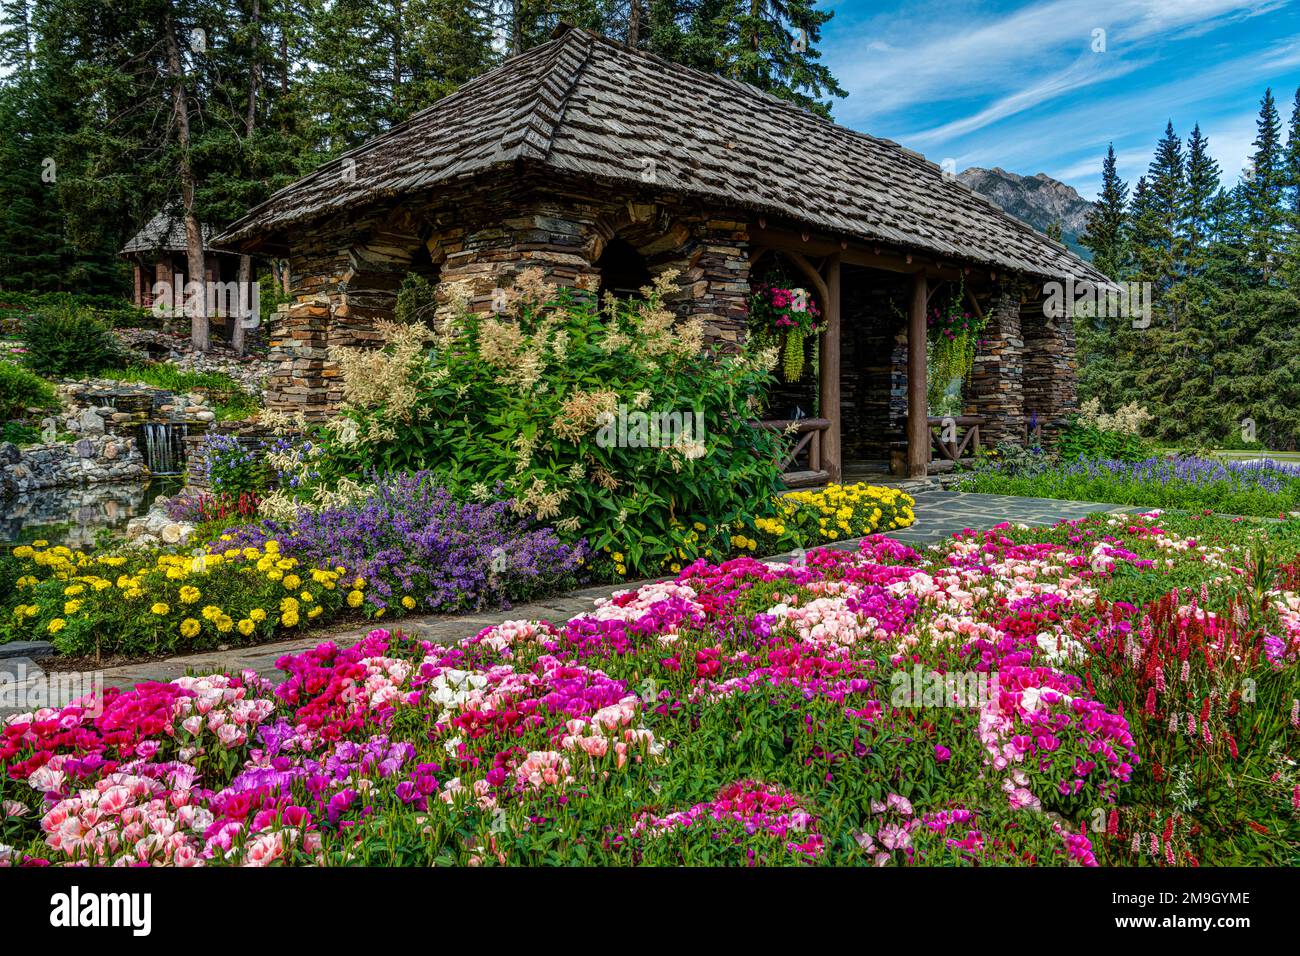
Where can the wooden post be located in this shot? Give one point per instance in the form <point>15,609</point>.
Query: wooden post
<point>830,373</point>
<point>918,427</point>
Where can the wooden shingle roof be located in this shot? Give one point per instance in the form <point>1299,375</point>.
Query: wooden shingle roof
<point>165,232</point>
<point>585,106</point>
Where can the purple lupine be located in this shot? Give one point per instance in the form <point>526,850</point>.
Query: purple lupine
<point>411,537</point>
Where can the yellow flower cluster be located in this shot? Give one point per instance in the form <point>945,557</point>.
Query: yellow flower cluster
<point>180,596</point>
<point>848,511</point>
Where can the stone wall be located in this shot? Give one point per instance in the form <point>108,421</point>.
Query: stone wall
<point>1051,375</point>
<point>996,387</point>
<point>103,458</point>
<point>347,270</point>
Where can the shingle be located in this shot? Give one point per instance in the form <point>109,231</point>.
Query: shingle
<point>587,106</point>
<point>165,232</point>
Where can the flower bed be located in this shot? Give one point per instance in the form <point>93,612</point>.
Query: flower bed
<point>1007,699</point>
<point>406,546</point>
<point>1262,488</point>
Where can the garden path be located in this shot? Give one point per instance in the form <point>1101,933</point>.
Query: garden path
<point>939,514</point>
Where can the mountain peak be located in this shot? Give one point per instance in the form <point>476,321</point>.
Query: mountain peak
<point>1038,200</point>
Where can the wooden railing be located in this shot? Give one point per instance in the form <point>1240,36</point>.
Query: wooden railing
<point>958,448</point>
<point>945,452</point>
<point>808,445</point>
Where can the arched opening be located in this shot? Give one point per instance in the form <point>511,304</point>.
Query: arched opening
<point>416,300</point>
<point>623,270</point>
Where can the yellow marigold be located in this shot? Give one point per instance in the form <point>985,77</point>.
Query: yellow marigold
<point>355,598</point>
<point>305,597</point>
<point>291,582</point>
<point>190,594</point>
<point>42,543</point>
<point>359,583</point>
<point>23,551</point>
<point>257,614</point>
<point>315,612</point>
<point>73,590</point>
<point>408,602</point>
<point>72,607</point>
<point>189,627</point>
<point>290,619</point>
<point>160,608</point>
<point>288,604</point>
<point>56,625</point>
<point>275,574</point>
<point>132,593</point>
<point>272,546</point>
<point>225,623</point>
<point>246,627</point>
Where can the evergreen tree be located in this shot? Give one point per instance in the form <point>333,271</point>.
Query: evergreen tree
<point>1106,234</point>
<point>1159,217</point>
<point>1201,189</point>
<point>1262,191</point>
<point>1291,196</point>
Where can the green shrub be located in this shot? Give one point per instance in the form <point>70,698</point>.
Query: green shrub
<point>21,389</point>
<point>110,310</point>
<point>66,340</point>
<point>563,404</point>
<point>19,433</point>
<point>1080,440</point>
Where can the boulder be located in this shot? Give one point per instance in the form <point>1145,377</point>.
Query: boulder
<point>90,422</point>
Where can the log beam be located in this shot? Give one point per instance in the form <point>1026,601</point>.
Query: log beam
<point>918,429</point>
<point>829,373</point>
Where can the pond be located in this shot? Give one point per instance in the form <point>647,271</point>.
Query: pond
<point>75,516</point>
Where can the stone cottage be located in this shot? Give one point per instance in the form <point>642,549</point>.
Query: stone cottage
<point>157,254</point>
<point>604,166</point>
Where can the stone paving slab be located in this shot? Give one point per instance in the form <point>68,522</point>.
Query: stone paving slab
<point>939,515</point>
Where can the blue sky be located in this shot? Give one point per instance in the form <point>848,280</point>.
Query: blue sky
<point>1018,84</point>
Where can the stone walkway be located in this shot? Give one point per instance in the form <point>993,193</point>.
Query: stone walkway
<point>939,514</point>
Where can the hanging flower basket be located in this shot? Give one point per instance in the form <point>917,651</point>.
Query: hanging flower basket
<point>791,315</point>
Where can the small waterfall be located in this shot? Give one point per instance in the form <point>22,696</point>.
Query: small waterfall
<point>163,446</point>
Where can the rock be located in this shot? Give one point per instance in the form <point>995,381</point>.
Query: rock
<point>205,416</point>
<point>172,533</point>
<point>85,448</point>
<point>110,450</point>
<point>19,668</point>
<point>90,422</point>
<point>9,454</point>
<point>32,649</point>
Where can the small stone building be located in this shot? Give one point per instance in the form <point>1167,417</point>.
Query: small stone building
<point>157,253</point>
<point>604,165</point>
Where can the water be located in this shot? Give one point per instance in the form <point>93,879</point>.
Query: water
<point>163,447</point>
<point>75,516</point>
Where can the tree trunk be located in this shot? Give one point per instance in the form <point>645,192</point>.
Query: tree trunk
<point>246,290</point>
<point>197,304</point>
<point>633,23</point>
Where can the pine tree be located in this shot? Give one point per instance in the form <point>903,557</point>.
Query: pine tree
<point>1201,189</point>
<point>1163,212</point>
<point>1106,234</point>
<point>1291,195</point>
<point>1262,191</point>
